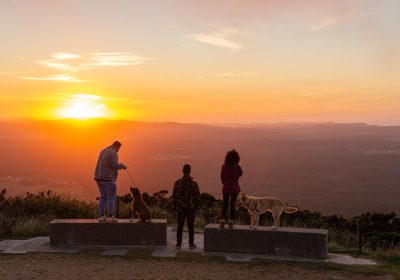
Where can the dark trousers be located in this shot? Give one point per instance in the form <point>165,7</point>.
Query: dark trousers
<point>182,216</point>
<point>228,198</point>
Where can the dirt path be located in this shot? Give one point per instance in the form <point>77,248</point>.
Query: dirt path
<point>139,265</point>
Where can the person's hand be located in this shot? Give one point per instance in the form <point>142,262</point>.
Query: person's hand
<point>124,166</point>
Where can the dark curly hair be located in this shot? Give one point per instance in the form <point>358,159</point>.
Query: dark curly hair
<point>232,157</point>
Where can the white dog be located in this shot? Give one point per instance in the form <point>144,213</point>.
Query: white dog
<point>259,205</point>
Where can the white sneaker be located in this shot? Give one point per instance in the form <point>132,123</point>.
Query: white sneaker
<point>102,219</point>
<point>112,220</point>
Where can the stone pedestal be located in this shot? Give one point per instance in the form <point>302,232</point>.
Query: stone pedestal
<point>89,232</point>
<point>282,242</point>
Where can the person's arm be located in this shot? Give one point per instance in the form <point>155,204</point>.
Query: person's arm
<point>174,196</point>
<point>196,196</point>
<point>240,173</point>
<point>114,162</point>
<point>222,174</point>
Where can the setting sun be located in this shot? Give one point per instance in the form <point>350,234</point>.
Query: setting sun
<point>84,106</point>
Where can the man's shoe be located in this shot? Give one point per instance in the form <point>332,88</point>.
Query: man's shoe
<point>222,223</point>
<point>178,246</point>
<point>192,246</point>
<point>230,223</point>
<point>102,219</point>
<point>112,220</point>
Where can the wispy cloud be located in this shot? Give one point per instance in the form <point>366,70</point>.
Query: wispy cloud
<point>65,96</point>
<point>218,39</point>
<point>64,55</point>
<point>327,22</point>
<point>59,77</point>
<point>71,63</point>
<point>114,59</point>
<point>68,62</point>
<point>236,73</point>
<point>58,65</point>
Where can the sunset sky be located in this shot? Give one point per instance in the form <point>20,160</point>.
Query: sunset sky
<point>201,61</point>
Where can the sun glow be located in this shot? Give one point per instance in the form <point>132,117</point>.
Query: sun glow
<point>83,106</point>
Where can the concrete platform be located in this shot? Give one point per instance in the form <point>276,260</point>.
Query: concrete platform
<point>91,233</point>
<point>282,242</point>
<point>169,251</point>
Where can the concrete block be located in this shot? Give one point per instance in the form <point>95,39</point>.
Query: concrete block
<point>91,233</point>
<point>282,242</point>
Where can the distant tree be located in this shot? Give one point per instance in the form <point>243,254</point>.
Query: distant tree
<point>207,200</point>
<point>147,198</point>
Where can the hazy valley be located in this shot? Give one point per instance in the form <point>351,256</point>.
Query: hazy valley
<point>332,168</point>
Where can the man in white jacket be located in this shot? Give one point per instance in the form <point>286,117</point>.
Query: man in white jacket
<point>106,174</point>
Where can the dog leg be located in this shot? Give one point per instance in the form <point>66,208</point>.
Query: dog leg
<point>131,219</point>
<point>256,220</point>
<point>276,214</point>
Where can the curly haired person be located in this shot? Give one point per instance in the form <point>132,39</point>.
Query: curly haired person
<point>230,174</point>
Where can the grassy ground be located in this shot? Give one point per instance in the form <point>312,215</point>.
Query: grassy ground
<point>139,264</point>
<point>387,262</point>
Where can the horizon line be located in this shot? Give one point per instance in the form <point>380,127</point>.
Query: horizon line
<point>223,124</point>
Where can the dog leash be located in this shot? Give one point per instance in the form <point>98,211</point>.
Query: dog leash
<point>130,176</point>
<point>165,206</point>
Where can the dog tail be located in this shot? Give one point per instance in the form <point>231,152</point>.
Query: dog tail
<point>289,209</point>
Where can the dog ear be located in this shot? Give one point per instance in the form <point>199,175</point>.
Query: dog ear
<point>243,196</point>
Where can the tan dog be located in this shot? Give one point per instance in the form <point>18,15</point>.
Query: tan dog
<point>139,207</point>
<point>259,205</point>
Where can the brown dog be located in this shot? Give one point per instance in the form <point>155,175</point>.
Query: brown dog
<point>259,205</point>
<point>139,207</point>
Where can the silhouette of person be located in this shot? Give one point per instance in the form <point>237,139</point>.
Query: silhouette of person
<point>106,174</point>
<point>230,174</point>
<point>186,200</point>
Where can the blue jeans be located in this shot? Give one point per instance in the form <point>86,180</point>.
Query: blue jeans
<point>108,193</point>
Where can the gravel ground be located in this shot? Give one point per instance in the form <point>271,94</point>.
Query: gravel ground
<point>139,265</point>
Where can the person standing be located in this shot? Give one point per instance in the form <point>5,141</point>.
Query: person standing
<point>106,174</point>
<point>186,200</point>
<point>230,174</point>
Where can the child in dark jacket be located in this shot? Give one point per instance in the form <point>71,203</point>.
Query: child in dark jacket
<point>230,174</point>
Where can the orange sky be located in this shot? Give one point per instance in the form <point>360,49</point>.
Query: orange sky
<point>201,61</point>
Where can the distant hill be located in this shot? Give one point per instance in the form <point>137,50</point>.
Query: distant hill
<point>332,168</point>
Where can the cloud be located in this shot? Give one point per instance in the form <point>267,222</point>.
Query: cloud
<point>236,73</point>
<point>58,65</point>
<point>332,21</point>
<point>88,96</point>
<point>65,96</point>
<point>59,77</point>
<point>114,59</point>
<point>64,55</point>
<point>72,63</point>
<point>68,62</point>
<point>218,39</point>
